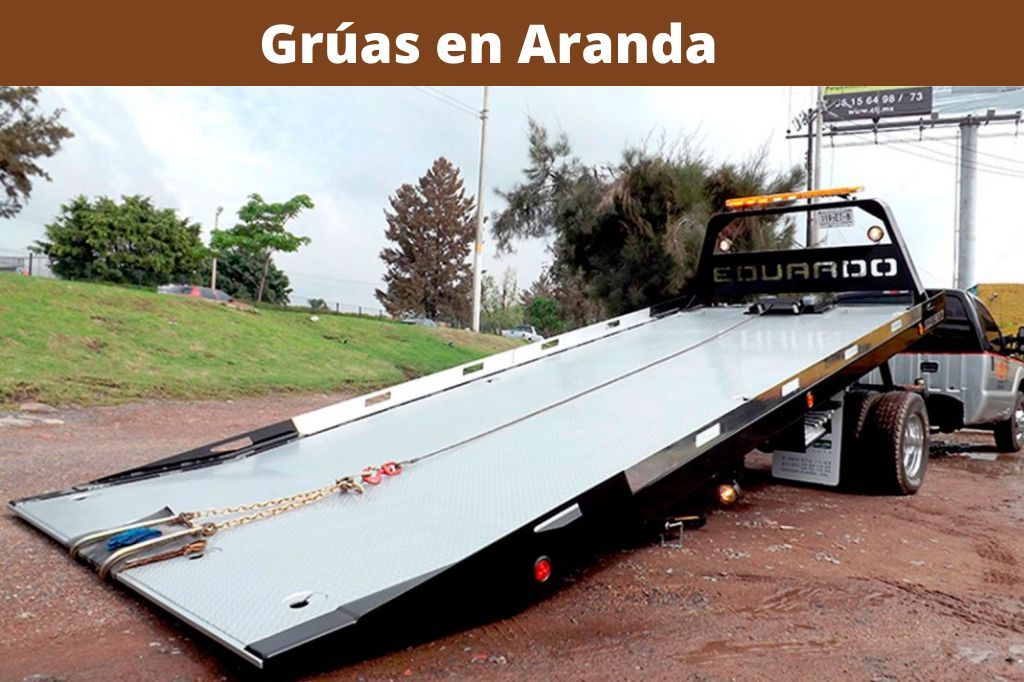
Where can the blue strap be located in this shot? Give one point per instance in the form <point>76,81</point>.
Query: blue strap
<point>131,537</point>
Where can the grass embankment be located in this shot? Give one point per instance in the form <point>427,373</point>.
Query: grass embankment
<point>84,344</point>
<point>1006,301</point>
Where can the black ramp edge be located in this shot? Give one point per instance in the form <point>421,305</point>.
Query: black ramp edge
<point>336,620</point>
<point>260,438</point>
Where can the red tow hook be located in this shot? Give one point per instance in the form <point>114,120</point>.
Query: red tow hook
<point>391,468</point>
<point>371,475</point>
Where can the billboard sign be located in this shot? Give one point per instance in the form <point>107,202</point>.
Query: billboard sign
<point>857,102</point>
<point>960,100</point>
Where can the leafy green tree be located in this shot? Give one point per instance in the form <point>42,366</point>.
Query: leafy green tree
<point>239,274</point>
<point>431,230</point>
<point>26,135</point>
<point>544,315</point>
<point>261,232</point>
<point>627,236</point>
<point>500,305</point>
<point>576,307</point>
<point>131,242</point>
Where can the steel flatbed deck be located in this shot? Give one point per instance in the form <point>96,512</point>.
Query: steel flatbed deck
<point>514,446</point>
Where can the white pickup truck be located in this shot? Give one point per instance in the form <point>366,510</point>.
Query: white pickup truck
<point>972,375</point>
<point>525,332</point>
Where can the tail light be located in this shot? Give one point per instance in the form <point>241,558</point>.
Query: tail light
<point>542,569</point>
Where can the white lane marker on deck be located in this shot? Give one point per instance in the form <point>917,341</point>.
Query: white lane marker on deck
<point>708,435</point>
<point>790,386</point>
<point>559,520</point>
<point>850,352</point>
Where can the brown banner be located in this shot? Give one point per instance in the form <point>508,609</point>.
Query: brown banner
<point>196,43</point>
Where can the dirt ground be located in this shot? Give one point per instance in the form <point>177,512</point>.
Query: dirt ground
<point>792,582</point>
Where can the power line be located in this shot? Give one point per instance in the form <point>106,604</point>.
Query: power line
<point>951,159</point>
<point>453,98</point>
<point>1010,159</point>
<point>445,98</point>
<point>955,157</point>
<point>947,160</point>
<point>945,139</point>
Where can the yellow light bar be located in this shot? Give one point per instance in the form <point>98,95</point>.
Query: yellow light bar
<point>787,197</point>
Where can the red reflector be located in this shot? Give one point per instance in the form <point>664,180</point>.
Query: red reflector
<point>542,569</point>
<point>810,400</point>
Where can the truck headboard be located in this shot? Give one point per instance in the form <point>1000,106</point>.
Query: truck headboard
<point>723,276</point>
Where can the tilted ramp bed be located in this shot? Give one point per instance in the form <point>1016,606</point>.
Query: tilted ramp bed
<point>506,446</point>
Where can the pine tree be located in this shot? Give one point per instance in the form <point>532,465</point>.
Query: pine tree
<point>627,236</point>
<point>26,135</point>
<point>431,228</point>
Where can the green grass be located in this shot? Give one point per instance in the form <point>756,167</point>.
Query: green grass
<point>1006,301</point>
<point>84,344</point>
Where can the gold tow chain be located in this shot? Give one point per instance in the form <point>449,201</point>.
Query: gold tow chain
<point>239,515</point>
<point>273,507</point>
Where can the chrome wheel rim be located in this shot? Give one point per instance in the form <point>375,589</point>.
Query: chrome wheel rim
<point>1018,422</point>
<point>913,445</point>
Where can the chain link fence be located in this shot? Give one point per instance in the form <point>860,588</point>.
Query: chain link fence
<point>31,264</point>
<point>316,304</point>
<point>38,265</point>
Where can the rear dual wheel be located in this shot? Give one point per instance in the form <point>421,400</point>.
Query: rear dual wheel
<point>885,441</point>
<point>895,440</point>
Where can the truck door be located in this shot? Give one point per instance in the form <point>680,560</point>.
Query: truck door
<point>999,375</point>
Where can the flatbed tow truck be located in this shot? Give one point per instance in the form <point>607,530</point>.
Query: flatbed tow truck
<point>306,533</point>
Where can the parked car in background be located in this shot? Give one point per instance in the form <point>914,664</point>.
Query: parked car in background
<point>192,291</point>
<point>525,332</point>
<point>419,321</point>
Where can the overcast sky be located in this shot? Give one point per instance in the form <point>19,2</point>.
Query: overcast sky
<point>349,148</point>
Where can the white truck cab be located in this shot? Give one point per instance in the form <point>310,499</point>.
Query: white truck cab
<point>972,374</point>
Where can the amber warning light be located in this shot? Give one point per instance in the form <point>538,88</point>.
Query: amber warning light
<point>788,197</point>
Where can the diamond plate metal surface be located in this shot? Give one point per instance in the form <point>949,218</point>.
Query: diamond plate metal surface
<point>443,509</point>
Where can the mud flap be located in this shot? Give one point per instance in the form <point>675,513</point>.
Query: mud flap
<point>818,462</point>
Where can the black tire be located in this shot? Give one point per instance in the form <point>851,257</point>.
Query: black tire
<point>856,405</point>
<point>1010,433</point>
<point>895,440</point>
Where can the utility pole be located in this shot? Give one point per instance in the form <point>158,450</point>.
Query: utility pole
<point>811,236</point>
<point>968,187</point>
<point>814,165</point>
<point>964,229</point>
<point>213,268</point>
<point>956,215</point>
<point>818,123</point>
<point>478,246</point>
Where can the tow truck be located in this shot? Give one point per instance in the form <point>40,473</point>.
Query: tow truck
<point>307,534</point>
<point>970,374</point>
